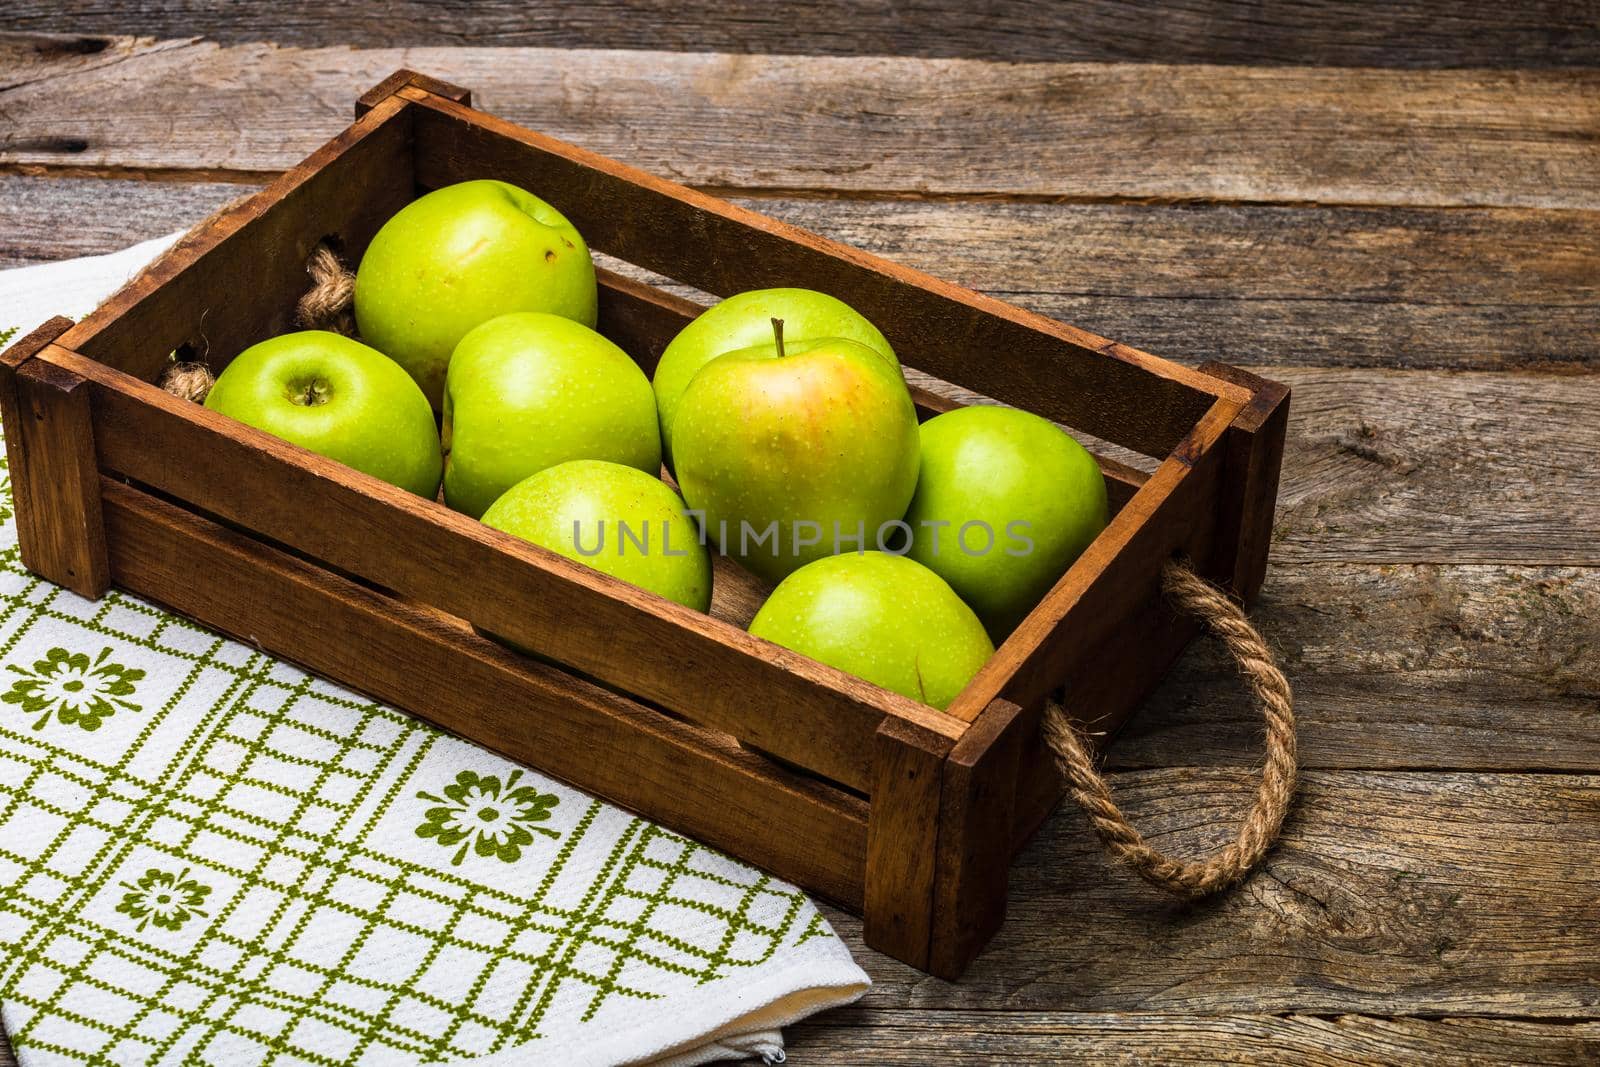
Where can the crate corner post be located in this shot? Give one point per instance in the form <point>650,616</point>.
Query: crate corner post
<point>977,809</point>
<point>404,78</point>
<point>54,471</point>
<point>902,840</point>
<point>1253,459</point>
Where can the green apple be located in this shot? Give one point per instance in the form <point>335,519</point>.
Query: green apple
<point>744,321</point>
<point>338,398</point>
<point>529,390</point>
<point>884,618</point>
<point>618,520</point>
<point>460,256</point>
<point>792,452</point>
<point>1005,502</point>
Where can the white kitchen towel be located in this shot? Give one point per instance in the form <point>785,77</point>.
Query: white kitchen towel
<point>209,856</point>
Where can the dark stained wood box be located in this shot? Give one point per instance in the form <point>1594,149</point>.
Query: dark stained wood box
<point>900,812</point>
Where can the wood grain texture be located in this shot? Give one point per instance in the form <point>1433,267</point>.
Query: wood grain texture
<point>888,1036</point>
<point>1252,464</point>
<point>60,531</point>
<point>1394,893</point>
<point>976,812</point>
<point>943,126</point>
<point>1420,666</point>
<point>1488,289</point>
<point>44,219</point>
<point>1398,467</point>
<point>903,841</point>
<point>1413,33</point>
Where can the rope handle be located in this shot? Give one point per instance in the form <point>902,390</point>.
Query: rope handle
<point>1259,829</point>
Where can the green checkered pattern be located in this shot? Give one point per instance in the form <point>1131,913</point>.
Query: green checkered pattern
<point>209,856</point>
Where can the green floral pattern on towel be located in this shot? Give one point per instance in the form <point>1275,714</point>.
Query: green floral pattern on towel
<point>476,812</point>
<point>77,690</point>
<point>166,899</point>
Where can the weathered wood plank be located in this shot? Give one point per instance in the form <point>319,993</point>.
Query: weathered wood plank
<point>1403,667</point>
<point>927,126</point>
<point>1479,33</point>
<point>43,219</point>
<point>1315,286</point>
<point>1392,893</point>
<point>1407,467</point>
<point>886,1036</point>
<point>851,1036</point>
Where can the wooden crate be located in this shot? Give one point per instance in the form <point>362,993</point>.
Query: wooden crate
<point>900,812</point>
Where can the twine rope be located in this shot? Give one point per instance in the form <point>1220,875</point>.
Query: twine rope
<point>326,305</point>
<point>1259,829</point>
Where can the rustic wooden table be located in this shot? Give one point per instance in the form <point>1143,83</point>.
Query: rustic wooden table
<point>1394,209</point>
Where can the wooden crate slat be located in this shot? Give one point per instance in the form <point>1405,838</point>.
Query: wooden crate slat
<point>976,819</point>
<point>20,462</point>
<point>687,778</point>
<point>698,666</point>
<point>1254,444</point>
<point>1111,391</point>
<point>402,78</point>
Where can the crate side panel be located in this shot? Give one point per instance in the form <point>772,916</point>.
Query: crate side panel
<point>975,826</point>
<point>1254,446</point>
<point>903,843</point>
<point>60,533</point>
<point>685,778</point>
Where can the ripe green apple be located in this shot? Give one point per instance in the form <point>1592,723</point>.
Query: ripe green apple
<point>338,398</point>
<point>884,618</point>
<point>792,452</point>
<point>1005,502</point>
<point>618,520</point>
<point>460,256</point>
<point>744,321</point>
<point>529,390</point>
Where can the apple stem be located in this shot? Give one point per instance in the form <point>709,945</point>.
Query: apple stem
<point>777,335</point>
